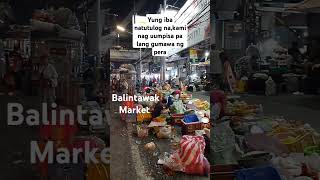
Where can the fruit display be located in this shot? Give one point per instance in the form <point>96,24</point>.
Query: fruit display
<point>241,108</point>
<point>201,105</point>
<point>185,96</point>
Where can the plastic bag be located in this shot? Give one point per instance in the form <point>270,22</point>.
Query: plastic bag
<point>262,142</point>
<point>270,87</point>
<point>164,132</point>
<point>313,162</point>
<point>223,142</point>
<point>287,167</point>
<point>173,162</point>
<point>142,131</point>
<point>178,107</point>
<point>190,157</point>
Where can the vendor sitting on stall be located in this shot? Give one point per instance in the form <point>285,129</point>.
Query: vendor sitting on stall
<point>312,69</point>
<point>174,96</point>
<point>218,104</point>
<point>161,105</point>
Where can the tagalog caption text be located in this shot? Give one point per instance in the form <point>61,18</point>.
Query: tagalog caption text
<point>159,32</point>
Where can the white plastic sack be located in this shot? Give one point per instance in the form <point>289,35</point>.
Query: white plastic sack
<point>164,132</point>
<point>223,144</point>
<point>271,88</point>
<point>313,162</point>
<point>287,167</point>
<point>70,34</point>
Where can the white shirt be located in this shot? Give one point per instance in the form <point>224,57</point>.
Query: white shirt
<point>49,72</point>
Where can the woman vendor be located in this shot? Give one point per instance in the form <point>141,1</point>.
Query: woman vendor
<point>218,102</point>
<point>174,96</point>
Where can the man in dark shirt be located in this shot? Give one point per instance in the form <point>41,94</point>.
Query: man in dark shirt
<point>158,108</point>
<point>295,53</point>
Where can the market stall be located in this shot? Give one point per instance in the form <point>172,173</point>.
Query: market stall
<point>247,142</point>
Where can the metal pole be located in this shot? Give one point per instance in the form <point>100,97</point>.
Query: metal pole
<point>118,39</point>
<point>163,59</point>
<point>163,69</point>
<point>94,30</point>
<point>140,67</point>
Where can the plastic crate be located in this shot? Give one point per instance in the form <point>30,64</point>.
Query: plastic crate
<point>177,118</point>
<point>223,172</point>
<point>144,117</point>
<point>190,124</point>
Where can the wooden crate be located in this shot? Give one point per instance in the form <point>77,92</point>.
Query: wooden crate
<point>190,128</point>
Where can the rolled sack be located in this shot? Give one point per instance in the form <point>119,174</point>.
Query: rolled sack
<point>70,34</point>
<point>43,26</point>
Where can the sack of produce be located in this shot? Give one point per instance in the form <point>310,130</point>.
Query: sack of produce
<point>190,157</point>
<point>142,131</point>
<point>164,132</point>
<point>224,144</point>
<point>43,26</point>
<point>271,87</point>
<point>151,146</point>
<point>70,34</point>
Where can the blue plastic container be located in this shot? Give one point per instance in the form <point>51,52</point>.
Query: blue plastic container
<point>261,173</point>
<point>190,118</point>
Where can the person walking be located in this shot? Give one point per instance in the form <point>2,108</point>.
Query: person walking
<point>48,80</point>
<point>114,85</point>
<point>125,86</point>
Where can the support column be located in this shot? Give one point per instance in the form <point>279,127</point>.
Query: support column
<point>163,69</point>
<point>139,67</point>
<point>215,62</point>
<point>94,30</point>
<point>139,71</point>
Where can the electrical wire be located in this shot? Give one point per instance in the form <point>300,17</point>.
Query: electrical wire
<point>175,2</point>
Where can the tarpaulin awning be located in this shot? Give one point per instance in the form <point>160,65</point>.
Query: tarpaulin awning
<point>124,55</point>
<point>312,6</point>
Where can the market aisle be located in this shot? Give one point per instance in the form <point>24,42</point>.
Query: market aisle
<point>303,108</point>
<point>129,158</point>
<point>122,166</point>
